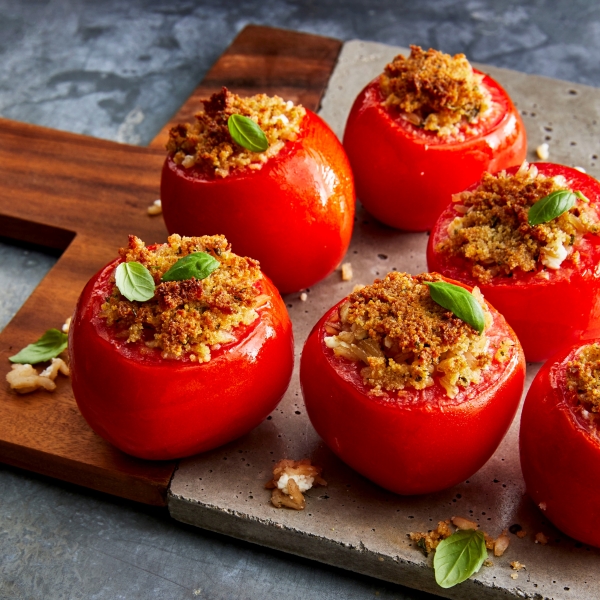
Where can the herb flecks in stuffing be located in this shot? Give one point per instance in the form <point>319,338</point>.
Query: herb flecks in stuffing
<point>187,318</point>
<point>494,235</point>
<point>206,147</point>
<point>434,90</point>
<point>405,339</point>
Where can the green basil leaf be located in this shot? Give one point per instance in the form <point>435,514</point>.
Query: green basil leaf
<point>134,281</point>
<point>551,206</point>
<point>459,301</point>
<point>247,133</point>
<point>581,196</point>
<point>458,557</point>
<point>198,264</point>
<point>50,345</point>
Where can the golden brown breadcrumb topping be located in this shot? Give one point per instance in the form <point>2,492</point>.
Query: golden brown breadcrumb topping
<point>583,377</point>
<point>494,234</point>
<point>434,90</point>
<point>187,318</point>
<point>207,144</point>
<point>405,338</point>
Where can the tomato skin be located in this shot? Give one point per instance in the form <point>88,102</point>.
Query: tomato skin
<point>545,314</point>
<point>295,215</point>
<point>410,447</point>
<point>405,176</point>
<point>163,409</point>
<point>560,457</point>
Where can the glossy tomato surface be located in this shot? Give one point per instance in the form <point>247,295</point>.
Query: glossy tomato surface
<point>295,215</point>
<point>546,314</point>
<point>163,409</point>
<point>560,453</point>
<point>415,442</point>
<point>405,175</point>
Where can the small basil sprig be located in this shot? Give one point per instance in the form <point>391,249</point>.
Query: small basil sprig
<point>551,206</point>
<point>247,133</point>
<point>50,345</point>
<point>459,301</point>
<point>198,264</point>
<point>134,281</point>
<point>458,557</point>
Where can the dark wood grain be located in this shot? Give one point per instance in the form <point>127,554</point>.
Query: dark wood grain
<point>85,196</point>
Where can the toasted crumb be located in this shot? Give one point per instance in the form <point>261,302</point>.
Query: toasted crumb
<point>540,538</point>
<point>501,543</point>
<point>24,379</point>
<point>493,234</point>
<point>521,534</point>
<point>290,479</point>
<point>303,296</point>
<point>155,208</point>
<point>435,91</point>
<point>207,146</point>
<point>542,505</point>
<point>516,565</point>
<point>583,378</point>
<point>514,575</point>
<point>488,563</point>
<point>404,338</point>
<point>429,541</point>
<point>543,151</point>
<point>66,326</point>
<point>462,523</point>
<point>347,272</point>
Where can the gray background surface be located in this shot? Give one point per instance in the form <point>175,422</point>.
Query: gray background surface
<point>119,70</point>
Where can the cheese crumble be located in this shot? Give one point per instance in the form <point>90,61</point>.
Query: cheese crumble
<point>187,318</point>
<point>435,91</point>
<point>405,339</point>
<point>493,233</point>
<point>206,149</point>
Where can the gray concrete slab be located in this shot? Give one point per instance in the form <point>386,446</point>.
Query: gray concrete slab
<point>352,523</point>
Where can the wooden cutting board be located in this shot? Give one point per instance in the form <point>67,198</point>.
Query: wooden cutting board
<point>85,196</point>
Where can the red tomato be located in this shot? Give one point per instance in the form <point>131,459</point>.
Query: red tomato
<point>163,409</point>
<point>295,215</point>
<point>405,175</point>
<point>560,453</point>
<point>418,442</point>
<point>546,314</point>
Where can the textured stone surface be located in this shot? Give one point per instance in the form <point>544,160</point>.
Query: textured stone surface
<point>118,70</point>
<point>353,523</point>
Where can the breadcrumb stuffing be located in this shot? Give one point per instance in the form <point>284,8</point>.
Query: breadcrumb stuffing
<point>405,339</point>
<point>430,540</point>
<point>435,91</point>
<point>494,235</point>
<point>207,146</point>
<point>291,478</point>
<point>583,378</point>
<point>187,318</point>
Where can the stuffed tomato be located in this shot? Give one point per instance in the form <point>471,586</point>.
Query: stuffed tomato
<point>559,442</point>
<point>428,127</point>
<point>542,276</point>
<point>199,359</point>
<point>296,195</point>
<point>404,391</point>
